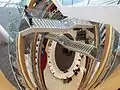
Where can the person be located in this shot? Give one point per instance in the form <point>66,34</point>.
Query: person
<point>28,14</point>
<point>75,72</point>
<point>118,89</point>
<point>70,79</point>
<point>43,58</point>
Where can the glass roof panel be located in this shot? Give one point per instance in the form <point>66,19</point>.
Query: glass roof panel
<point>70,2</point>
<point>88,2</point>
<point>102,2</point>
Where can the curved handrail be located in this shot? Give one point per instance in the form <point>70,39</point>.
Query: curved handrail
<point>14,73</point>
<point>32,2</point>
<point>90,66</point>
<point>92,63</point>
<point>111,60</point>
<point>112,82</point>
<point>21,84</point>
<point>96,35</point>
<point>84,74</point>
<point>22,62</point>
<point>43,86</point>
<point>88,74</point>
<point>8,72</point>
<point>103,58</point>
<point>33,52</point>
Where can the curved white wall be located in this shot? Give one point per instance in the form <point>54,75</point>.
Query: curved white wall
<point>4,36</point>
<point>106,14</point>
<point>103,14</point>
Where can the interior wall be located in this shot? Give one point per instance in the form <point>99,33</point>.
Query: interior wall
<point>106,14</point>
<point>102,14</point>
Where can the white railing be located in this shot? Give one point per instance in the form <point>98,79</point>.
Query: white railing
<point>73,45</point>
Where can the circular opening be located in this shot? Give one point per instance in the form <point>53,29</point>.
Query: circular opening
<point>64,57</point>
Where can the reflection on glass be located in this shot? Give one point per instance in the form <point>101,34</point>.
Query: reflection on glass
<point>112,55</point>
<point>70,2</point>
<point>88,2</point>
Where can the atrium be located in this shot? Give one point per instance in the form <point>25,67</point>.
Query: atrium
<point>59,45</point>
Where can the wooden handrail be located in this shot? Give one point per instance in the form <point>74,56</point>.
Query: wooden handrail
<point>21,57</point>
<point>90,69</point>
<point>112,82</point>
<point>17,55</point>
<point>90,65</point>
<point>92,62</point>
<point>43,86</point>
<point>33,53</point>
<point>104,57</point>
<point>96,35</point>
<point>31,4</point>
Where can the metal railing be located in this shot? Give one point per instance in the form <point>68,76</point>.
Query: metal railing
<point>13,30</point>
<point>86,49</point>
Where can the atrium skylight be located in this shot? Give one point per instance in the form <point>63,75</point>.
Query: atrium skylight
<point>8,3</point>
<point>88,2</point>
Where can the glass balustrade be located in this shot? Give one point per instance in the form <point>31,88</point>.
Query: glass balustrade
<point>88,2</point>
<point>103,2</point>
<point>13,30</point>
<point>21,5</point>
<point>112,55</point>
<point>20,8</point>
<point>70,2</point>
